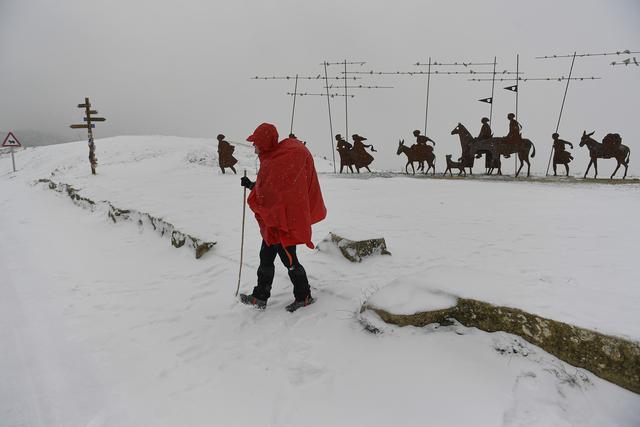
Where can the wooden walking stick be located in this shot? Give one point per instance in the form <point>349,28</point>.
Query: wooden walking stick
<point>244,208</point>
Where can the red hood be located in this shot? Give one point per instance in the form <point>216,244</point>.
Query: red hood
<point>265,138</point>
<point>286,199</point>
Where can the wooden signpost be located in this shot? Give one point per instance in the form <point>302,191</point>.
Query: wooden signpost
<point>89,125</point>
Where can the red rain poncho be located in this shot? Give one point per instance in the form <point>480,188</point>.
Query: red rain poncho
<point>286,199</point>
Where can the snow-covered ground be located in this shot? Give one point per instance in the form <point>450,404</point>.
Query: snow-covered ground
<point>106,324</point>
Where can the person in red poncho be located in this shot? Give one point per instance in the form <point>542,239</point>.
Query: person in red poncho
<point>286,200</point>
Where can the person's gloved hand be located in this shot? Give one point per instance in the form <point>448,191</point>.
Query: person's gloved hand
<point>247,183</point>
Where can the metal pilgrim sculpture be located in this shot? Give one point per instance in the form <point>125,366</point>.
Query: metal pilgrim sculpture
<point>361,158</point>
<point>225,155</point>
<point>491,162</point>
<point>513,143</point>
<point>494,147</point>
<point>354,155</point>
<point>610,148</point>
<point>560,155</point>
<point>89,125</point>
<point>357,153</point>
<point>344,150</point>
<point>474,148</point>
<point>419,152</point>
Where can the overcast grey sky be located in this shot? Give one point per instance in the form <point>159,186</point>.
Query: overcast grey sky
<point>184,67</point>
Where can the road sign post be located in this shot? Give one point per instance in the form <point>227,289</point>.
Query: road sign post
<point>12,141</point>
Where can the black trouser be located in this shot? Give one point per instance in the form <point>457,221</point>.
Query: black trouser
<point>266,271</point>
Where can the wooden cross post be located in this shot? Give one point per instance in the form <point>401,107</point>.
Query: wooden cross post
<point>89,125</point>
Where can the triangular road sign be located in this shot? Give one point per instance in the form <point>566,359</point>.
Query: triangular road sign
<point>11,141</point>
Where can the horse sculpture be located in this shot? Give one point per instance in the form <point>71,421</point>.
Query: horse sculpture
<point>346,157</point>
<point>521,147</point>
<point>615,150</point>
<point>493,147</point>
<point>472,149</point>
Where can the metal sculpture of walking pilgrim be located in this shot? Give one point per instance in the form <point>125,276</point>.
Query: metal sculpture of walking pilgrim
<point>89,125</point>
<point>610,148</point>
<point>361,158</point>
<point>225,154</point>
<point>560,155</point>
<point>490,162</point>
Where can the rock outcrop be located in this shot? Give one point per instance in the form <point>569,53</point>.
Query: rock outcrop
<point>356,250</point>
<point>143,219</point>
<point>613,358</point>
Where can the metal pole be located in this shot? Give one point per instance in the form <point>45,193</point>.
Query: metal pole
<point>493,82</point>
<point>244,208</point>
<point>13,160</point>
<point>426,113</point>
<point>293,111</point>
<point>562,107</point>
<point>346,108</point>
<point>326,83</point>
<point>517,81</point>
<point>515,158</point>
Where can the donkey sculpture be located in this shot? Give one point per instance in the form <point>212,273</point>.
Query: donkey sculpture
<point>414,154</point>
<point>610,148</point>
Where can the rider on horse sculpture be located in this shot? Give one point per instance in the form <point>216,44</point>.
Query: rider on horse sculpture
<point>485,130</point>
<point>514,135</point>
<point>422,146</point>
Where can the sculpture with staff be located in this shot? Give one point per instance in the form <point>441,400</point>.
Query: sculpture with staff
<point>560,155</point>
<point>225,154</point>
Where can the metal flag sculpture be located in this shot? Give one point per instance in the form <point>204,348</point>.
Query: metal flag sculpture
<point>628,61</point>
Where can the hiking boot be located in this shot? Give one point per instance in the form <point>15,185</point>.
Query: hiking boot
<point>300,303</point>
<point>251,300</point>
